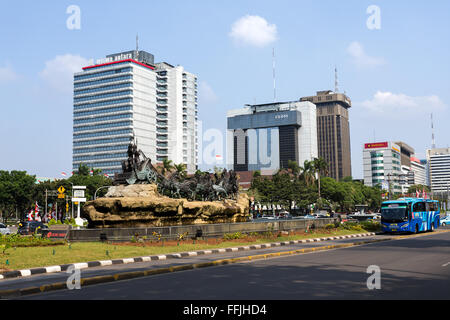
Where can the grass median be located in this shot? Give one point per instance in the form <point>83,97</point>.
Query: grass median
<point>17,258</point>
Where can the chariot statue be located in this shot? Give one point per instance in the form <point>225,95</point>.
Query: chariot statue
<point>138,169</point>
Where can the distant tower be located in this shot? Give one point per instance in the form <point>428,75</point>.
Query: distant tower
<point>433,142</point>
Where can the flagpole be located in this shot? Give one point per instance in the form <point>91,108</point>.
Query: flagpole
<point>46,203</point>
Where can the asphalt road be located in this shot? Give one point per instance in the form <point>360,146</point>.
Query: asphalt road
<point>412,268</point>
<point>42,279</point>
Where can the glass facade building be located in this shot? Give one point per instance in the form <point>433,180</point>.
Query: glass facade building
<point>124,96</point>
<point>266,137</point>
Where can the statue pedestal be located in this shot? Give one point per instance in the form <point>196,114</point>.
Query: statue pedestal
<point>142,206</point>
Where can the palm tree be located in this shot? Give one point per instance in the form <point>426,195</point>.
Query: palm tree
<point>181,169</point>
<point>295,168</point>
<point>307,172</point>
<point>320,166</point>
<point>167,166</point>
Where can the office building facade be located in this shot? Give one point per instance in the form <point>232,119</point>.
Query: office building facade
<point>333,131</point>
<point>126,96</point>
<point>418,174</point>
<point>266,137</point>
<point>439,169</point>
<point>382,165</point>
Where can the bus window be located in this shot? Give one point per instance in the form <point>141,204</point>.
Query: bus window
<point>419,207</point>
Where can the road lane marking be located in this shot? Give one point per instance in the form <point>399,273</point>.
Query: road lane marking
<point>135,274</point>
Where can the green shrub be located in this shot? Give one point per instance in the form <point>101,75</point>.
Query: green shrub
<point>53,222</point>
<point>17,240</point>
<point>330,226</point>
<point>372,226</point>
<point>352,226</point>
<point>232,236</point>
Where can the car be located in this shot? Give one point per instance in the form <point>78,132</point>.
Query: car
<point>445,221</point>
<point>4,229</point>
<point>30,227</point>
<point>310,217</point>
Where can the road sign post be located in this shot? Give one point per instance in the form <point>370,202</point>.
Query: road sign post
<point>78,196</point>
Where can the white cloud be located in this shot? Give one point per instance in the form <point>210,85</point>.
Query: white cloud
<point>206,94</point>
<point>360,57</point>
<point>402,104</point>
<point>254,31</point>
<point>59,71</point>
<point>7,74</point>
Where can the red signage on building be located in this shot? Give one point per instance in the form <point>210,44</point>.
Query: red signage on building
<point>376,145</point>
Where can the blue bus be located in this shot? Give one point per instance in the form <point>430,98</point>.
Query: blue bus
<point>410,215</point>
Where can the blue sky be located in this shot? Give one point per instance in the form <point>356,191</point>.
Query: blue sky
<point>396,75</point>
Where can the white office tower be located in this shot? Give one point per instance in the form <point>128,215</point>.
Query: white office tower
<point>439,166</point>
<point>382,165</point>
<point>126,95</point>
<point>417,175</point>
<point>176,117</point>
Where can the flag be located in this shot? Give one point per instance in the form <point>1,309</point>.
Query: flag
<point>37,216</point>
<point>424,193</point>
<point>417,193</point>
<point>92,172</point>
<point>30,215</point>
<point>63,174</point>
<point>106,175</point>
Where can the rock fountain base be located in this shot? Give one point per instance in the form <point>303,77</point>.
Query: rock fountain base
<point>141,205</point>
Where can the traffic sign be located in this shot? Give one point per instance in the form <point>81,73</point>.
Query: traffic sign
<point>67,207</point>
<point>78,194</point>
<point>61,189</point>
<point>61,196</point>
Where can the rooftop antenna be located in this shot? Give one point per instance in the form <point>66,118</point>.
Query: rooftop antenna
<point>336,89</point>
<point>433,142</point>
<point>273,67</point>
<point>137,47</point>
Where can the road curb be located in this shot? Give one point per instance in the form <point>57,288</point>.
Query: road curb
<point>101,263</point>
<point>15,293</point>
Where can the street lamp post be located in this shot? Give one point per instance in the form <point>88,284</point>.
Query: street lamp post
<point>72,198</point>
<point>95,194</point>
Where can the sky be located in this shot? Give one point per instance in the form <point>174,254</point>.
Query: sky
<point>392,59</point>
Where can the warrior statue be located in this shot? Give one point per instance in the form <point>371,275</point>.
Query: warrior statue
<point>138,169</point>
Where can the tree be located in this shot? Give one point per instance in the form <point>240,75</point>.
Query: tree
<point>83,170</point>
<point>320,166</point>
<point>15,192</point>
<point>294,167</point>
<point>307,172</point>
<point>419,188</point>
<point>181,170</point>
<point>167,166</point>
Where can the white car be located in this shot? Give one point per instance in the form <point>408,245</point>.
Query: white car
<point>445,221</point>
<point>4,229</point>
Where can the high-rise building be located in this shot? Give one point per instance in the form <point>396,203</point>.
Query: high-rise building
<point>127,95</point>
<point>418,173</point>
<point>406,152</point>
<point>439,166</point>
<point>267,136</point>
<point>176,116</point>
<point>333,131</point>
<point>382,165</point>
